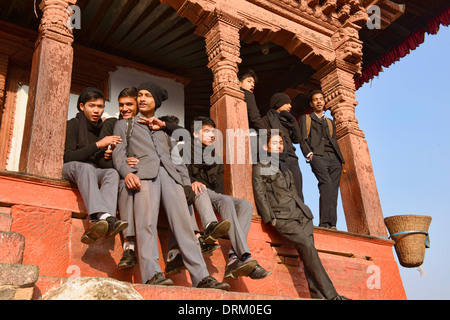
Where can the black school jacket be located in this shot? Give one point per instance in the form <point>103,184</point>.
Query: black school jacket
<point>315,142</point>
<point>275,194</point>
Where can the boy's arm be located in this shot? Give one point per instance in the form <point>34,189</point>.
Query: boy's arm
<point>71,153</point>
<point>120,151</point>
<point>261,201</point>
<point>306,150</point>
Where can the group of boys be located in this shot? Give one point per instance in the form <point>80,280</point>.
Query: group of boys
<point>131,164</point>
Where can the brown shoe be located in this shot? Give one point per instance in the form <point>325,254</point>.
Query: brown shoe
<point>211,283</point>
<point>159,280</point>
<point>97,230</point>
<point>215,230</point>
<point>238,268</point>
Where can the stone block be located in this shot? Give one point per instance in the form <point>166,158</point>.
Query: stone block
<point>18,275</point>
<point>5,222</point>
<point>12,246</point>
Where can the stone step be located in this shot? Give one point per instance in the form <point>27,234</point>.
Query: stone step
<point>5,221</point>
<point>149,292</point>
<point>19,275</point>
<point>45,285</point>
<point>12,246</point>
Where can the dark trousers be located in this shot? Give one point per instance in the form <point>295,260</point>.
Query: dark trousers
<point>328,170</point>
<point>300,232</point>
<point>292,164</point>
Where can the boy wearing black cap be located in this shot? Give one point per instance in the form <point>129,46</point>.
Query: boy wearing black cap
<point>281,118</point>
<point>156,180</point>
<point>81,167</point>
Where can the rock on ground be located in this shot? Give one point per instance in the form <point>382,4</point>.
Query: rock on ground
<point>94,289</point>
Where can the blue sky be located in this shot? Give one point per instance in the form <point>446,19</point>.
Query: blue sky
<point>403,113</point>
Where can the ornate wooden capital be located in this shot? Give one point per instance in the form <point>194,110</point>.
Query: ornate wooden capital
<point>55,20</point>
<point>338,86</point>
<point>223,49</point>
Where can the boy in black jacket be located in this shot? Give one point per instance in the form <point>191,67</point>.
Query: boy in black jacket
<point>278,204</point>
<point>81,167</point>
<point>320,148</point>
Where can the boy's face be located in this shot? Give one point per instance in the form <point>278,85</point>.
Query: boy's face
<point>128,107</point>
<point>248,84</point>
<point>93,109</point>
<point>146,102</point>
<point>276,145</point>
<point>206,135</point>
<point>317,103</point>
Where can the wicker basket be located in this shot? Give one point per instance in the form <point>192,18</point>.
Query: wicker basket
<point>410,233</point>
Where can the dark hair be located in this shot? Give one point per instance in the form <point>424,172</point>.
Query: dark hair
<point>313,93</point>
<point>89,94</point>
<point>130,92</point>
<point>170,119</point>
<point>270,134</point>
<point>247,74</point>
<point>205,122</point>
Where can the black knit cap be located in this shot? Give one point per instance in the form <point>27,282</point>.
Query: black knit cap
<point>159,93</point>
<point>89,94</point>
<point>278,100</point>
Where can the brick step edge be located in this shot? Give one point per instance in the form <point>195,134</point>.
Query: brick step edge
<point>46,284</point>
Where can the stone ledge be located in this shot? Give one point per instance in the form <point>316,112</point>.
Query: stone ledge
<point>18,275</point>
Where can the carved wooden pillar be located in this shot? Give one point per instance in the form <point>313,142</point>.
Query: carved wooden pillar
<point>229,110</point>
<point>358,187</point>
<point>48,99</point>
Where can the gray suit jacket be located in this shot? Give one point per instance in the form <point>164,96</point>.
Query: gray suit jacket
<point>153,150</point>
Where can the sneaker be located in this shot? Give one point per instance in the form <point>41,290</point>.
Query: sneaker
<point>175,265</point>
<point>207,248</point>
<point>211,283</point>
<point>259,273</point>
<point>159,280</point>
<point>215,230</point>
<point>128,259</point>
<point>239,268</point>
<point>115,226</point>
<point>97,229</point>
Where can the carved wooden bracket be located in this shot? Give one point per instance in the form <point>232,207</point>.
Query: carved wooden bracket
<point>54,22</point>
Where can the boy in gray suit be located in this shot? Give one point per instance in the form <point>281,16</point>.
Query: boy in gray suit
<point>157,180</point>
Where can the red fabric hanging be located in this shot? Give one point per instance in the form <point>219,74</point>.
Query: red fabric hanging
<point>404,48</point>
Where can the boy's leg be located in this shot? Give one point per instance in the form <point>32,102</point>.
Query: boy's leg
<point>301,233</point>
<point>146,210</point>
<point>212,227</point>
<point>84,175</point>
<point>174,202</point>
<point>239,212</point>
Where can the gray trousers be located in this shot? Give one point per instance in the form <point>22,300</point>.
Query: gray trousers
<point>164,190</point>
<point>126,209</point>
<point>300,232</point>
<point>98,187</point>
<point>238,211</point>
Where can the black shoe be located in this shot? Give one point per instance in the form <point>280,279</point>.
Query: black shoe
<point>211,283</point>
<point>215,230</point>
<point>115,226</point>
<point>339,297</point>
<point>259,273</point>
<point>207,248</point>
<point>175,265</point>
<point>128,259</point>
<point>238,268</point>
<point>159,280</point>
<point>97,230</point>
